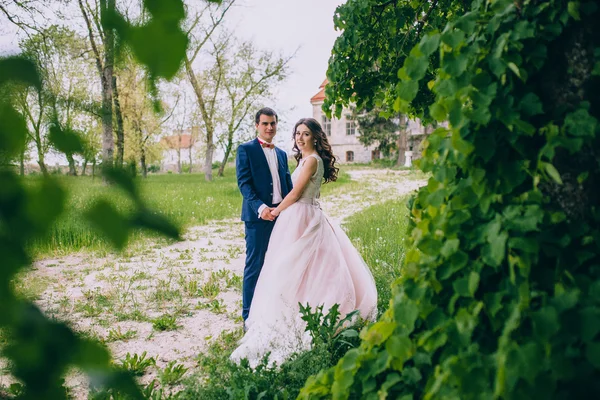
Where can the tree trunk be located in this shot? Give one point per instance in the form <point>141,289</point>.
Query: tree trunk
<point>40,152</point>
<point>22,162</point>
<point>143,162</point>
<point>207,121</point>
<point>191,158</point>
<point>94,168</point>
<point>208,157</point>
<point>120,129</point>
<point>179,170</point>
<point>72,168</point>
<point>84,166</point>
<point>227,153</point>
<point>402,147</point>
<point>107,95</point>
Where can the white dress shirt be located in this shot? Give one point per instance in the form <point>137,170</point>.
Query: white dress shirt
<point>271,156</point>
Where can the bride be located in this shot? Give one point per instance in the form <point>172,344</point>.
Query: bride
<point>309,260</point>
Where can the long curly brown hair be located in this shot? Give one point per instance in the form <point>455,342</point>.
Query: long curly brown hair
<point>323,148</point>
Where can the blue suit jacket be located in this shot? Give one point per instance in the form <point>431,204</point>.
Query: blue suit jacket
<point>254,178</point>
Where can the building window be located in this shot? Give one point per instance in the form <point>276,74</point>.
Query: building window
<point>326,122</point>
<point>349,156</point>
<point>375,155</point>
<point>350,126</point>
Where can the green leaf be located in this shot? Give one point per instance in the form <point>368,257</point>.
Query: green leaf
<point>592,353</point>
<point>407,90</point>
<point>123,179</point>
<point>453,38</point>
<point>580,123</point>
<point>438,112</point>
<point>406,313</point>
<point>13,131</point>
<point>573,10</point>
<point>494,253</point>
<point>156,222</point>
<point>416,67</point>
<point>450,247</point>
<point>545,322</point>
<point>66,140</point>
<point>110,222</point>
<point>473,282</point>
<point>429,43</point>
<point>401,348</point>
<point>513,67</point>
<point>552,172</point>
<point>531,105</point>
<point>461,286</point>
<point>455,65</point>
<point>19,69</point>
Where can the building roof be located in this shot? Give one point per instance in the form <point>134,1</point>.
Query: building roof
<point>177,141</point>
<point>321,95</point>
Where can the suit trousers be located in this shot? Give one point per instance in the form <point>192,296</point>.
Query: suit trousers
<point>257,235</point>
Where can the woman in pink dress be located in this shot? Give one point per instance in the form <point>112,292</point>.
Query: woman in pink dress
<point>309,260</point>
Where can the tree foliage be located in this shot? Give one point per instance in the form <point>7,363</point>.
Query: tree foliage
<point>376,39</point>
<point>500,298</point>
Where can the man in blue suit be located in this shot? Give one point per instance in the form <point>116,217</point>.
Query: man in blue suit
<point>264,179</point>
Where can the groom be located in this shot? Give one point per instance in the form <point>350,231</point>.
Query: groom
<point>264,179</point>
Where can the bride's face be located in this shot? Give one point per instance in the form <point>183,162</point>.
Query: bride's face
<point>304,139</point>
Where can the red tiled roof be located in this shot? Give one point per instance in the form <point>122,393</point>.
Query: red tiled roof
<point>177,141</point>
<point>321,95</point>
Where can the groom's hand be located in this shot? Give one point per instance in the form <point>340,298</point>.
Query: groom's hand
<point>266,214</point>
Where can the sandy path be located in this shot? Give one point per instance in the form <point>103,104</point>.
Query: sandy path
<point>198,280</point>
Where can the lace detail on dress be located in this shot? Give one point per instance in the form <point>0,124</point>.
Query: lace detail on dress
<point>312,191</point>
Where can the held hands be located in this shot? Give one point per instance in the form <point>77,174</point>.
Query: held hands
<point>275,212</point>
<point>267,214</point>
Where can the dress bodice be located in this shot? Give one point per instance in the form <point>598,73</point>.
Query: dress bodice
<point>313,187</point>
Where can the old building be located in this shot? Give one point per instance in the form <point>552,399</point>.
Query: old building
<point>180,150</point>
<point>343,135</point>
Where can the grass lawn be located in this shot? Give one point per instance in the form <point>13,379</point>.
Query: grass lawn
<point>186,199</point>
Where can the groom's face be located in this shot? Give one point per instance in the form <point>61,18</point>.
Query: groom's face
<point>267,127</point>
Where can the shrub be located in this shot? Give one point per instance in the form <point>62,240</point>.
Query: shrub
<point>500,296</point>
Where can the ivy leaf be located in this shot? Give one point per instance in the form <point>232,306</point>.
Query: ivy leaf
<point>401,348</point>
<point>552,172</point>
<point>580,123</point>
<point>405,315</point>
<point>531,105</point>
<point>592,353</point>
<point>573,10</point>
<point>495,251</point>
<point>513,67</point>
<point>545,322</point>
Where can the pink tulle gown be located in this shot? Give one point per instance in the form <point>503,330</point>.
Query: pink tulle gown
<point>309,260</point>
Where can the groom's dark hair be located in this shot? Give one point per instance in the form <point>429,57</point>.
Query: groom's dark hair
<point>266,111</point>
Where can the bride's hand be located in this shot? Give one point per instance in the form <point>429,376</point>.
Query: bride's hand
<point>275,212</point>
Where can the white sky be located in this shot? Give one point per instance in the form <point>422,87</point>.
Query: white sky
<point>282,26</point>
<point>287,25</point>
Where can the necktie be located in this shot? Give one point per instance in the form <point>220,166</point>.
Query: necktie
<point>267,145</point>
